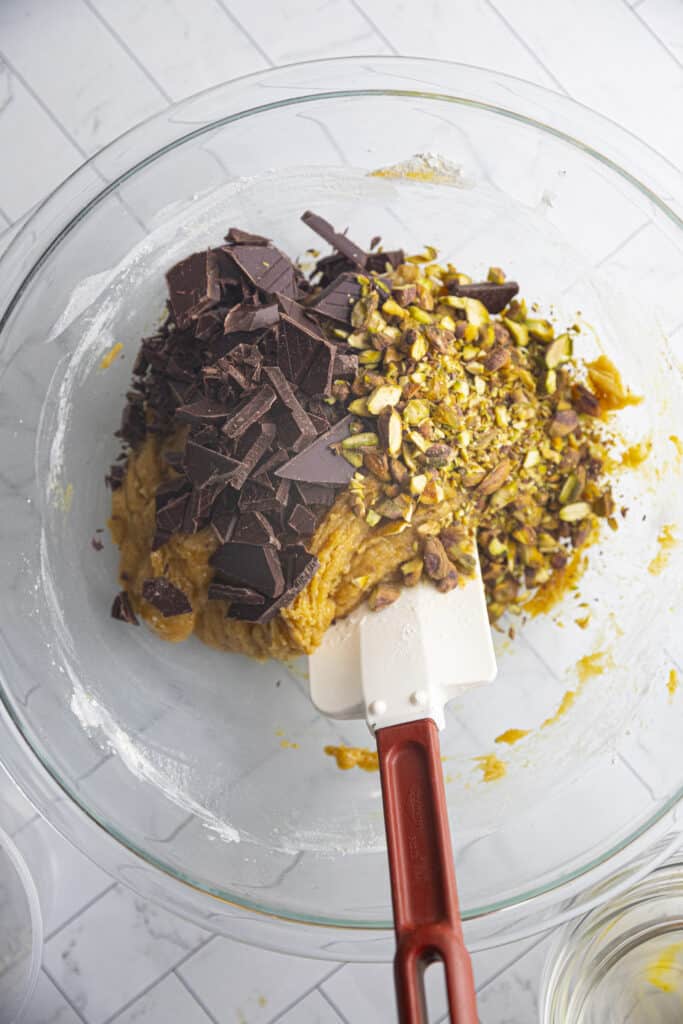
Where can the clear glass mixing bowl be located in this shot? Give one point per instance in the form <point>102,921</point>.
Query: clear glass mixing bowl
<point>167,763</point>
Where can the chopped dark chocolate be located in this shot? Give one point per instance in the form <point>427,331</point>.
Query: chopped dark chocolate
<point>202,464</point>
<point>318,463</point>
<point>223,523</point>
<point>315,494</point>
<point>302,430</point>
<point>301,566</point>
<point>244,317</point>
<point>122,609</point>
<point>249,565</point>
<point>345,365</point>
<point>302,521</point>
<point>266,267</point>
<point>254,453</point>
<point>338,299</point>
<point>318,378</point>
<point>254,528</point>
<point>170,517</point>
<point>114,477</point>
<point>222,279</point>
<point>165,597</point>
<point>239,237</point>
<point>340,242</point>
<point>186,286</point>
<point>296,347</point>
<point>226,592</point>
<point>96,544</point>
<point>377,261</point>
<point>494,296</point>
<point>249,411</point>
<point>202,411</point>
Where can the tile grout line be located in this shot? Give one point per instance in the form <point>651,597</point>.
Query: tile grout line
<point>658,39</point>
<point>328,999</point>
<point>86,906</point>
<point>522,41</point>
<point>157,981</point>
<point>302,995</point>
<point>238,24</point>
<point>198,1000</point>
<point>375,28</point>
<point>127,50</point>
<point>63,994</point>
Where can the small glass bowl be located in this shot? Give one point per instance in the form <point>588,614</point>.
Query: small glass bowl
<point>623,962</point>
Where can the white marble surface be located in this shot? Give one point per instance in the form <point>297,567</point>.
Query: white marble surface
<point>73,75</point>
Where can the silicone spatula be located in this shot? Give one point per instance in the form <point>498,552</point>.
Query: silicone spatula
<point>398,668</point>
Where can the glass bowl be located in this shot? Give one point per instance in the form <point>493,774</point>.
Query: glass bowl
<point>199,778</point>
<point>623,962</point>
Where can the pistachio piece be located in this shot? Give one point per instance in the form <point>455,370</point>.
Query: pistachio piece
<point>412,572</point>
<point>496,359</point>
<point>495,479</point>
<point>439,454</point>
<point>399,472</point>
<point>449,582</point>
<point>367,439</point>
<point>382,396</point>
<point>391,308</point>
<point>390,430</point>
<point>355,458</point>
<point>436,561</point>
<point>377,465</point>
<point>559,351</point>
<point>496,275</point>
<point>563,423</point>
<point>359,407</point>
<point>369,357</point>
<point>420,315</point>
<point>532,458</point>
<point>542,330</point>
<point>519,331</point>
<point>383,595</point>
<point>574,512</point>
<point>404,294</point>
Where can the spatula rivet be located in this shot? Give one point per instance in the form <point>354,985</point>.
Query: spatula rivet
<point>419,697</point>
<point>377,707</point>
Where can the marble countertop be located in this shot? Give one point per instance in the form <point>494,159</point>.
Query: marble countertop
<point>74,74</point>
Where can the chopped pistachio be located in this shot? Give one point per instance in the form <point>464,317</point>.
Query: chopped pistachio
<point>372,518</point>
<point>367,439</point>
<point>391,308</point>
<point>418,484</point>
<point>390,430</point>
<point>559,351</point>
<point>382,396</point>
<point>519,332</point>
<point>359,407</point>
<point>420,315</point>
<point>541,329</point>
<point>574,512</point>
<point>355,458</point>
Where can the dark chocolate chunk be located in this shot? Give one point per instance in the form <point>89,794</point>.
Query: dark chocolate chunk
<point>295,311</point>
<point>166,597</point>
<point>254,453</point>
<point>296,347</point>
<point>340,242</point>
<point>239,237</point>
<point>133,425</point>
<point>316,494</point>
<point>114,477</point>
<point>254,528</point>
<point>377,261</point>
<point>249,565</point>
<point>338,299</point>
<point>187,285</point>
<point>271,463</point>
<point>494,296</point>
<point>301,567</point>
<point>317,379</point>
<point>203,411</point>
<point>222,278</point>
<point>226,592</point>
<point>223,523</point>
<point>202,464</point>
<point>318,464</point>
<point>345,365</point>
<point>96,544</point>
<point>244,317</point>
<point>122,609</point>
<point>254,498</point>
<point>249,411</point>
<point>171,517</point>
<point>302,429</point>
<point>301,521</point>
<point>266,267</point>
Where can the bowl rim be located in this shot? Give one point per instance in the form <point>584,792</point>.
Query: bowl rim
<point>652,175</point>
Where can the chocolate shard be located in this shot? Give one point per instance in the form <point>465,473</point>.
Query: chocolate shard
<point>494,296</point>
<point>122,609</point>
<point>338,299</point>
<point>377,261</point>
<point>254,528</point>
<point>271,463</point>
<point>254,453</point>
<point>296,347</point>
<point>223,523</point>
<point>301,567</point>
<point>243,595</point>
<point>345,365</point>
<point>316,494</point>
<point>114,477</point>
<point>319,464</point>
<point>245,317</point>
<point>254,498</point>
<point>239,237</point>
<point>202,464</point>
<point>318,378</point>
<point>302,430</point>
<point>170,517</point>
<point>340,242</point>
<point>222,278</point>
<point>295,311</point>
<point>96,544</point>
<point>250,410</point>
<point>165,597</point>
<point>249,565</point>
<point>302,521</point>
<point>203,411</point>
<point>266,267</point>
<point>186,286</point>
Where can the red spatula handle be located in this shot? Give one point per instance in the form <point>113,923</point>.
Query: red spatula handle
<point>425,899</point>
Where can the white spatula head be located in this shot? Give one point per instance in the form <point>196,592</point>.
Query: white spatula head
<point>408,660</point>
